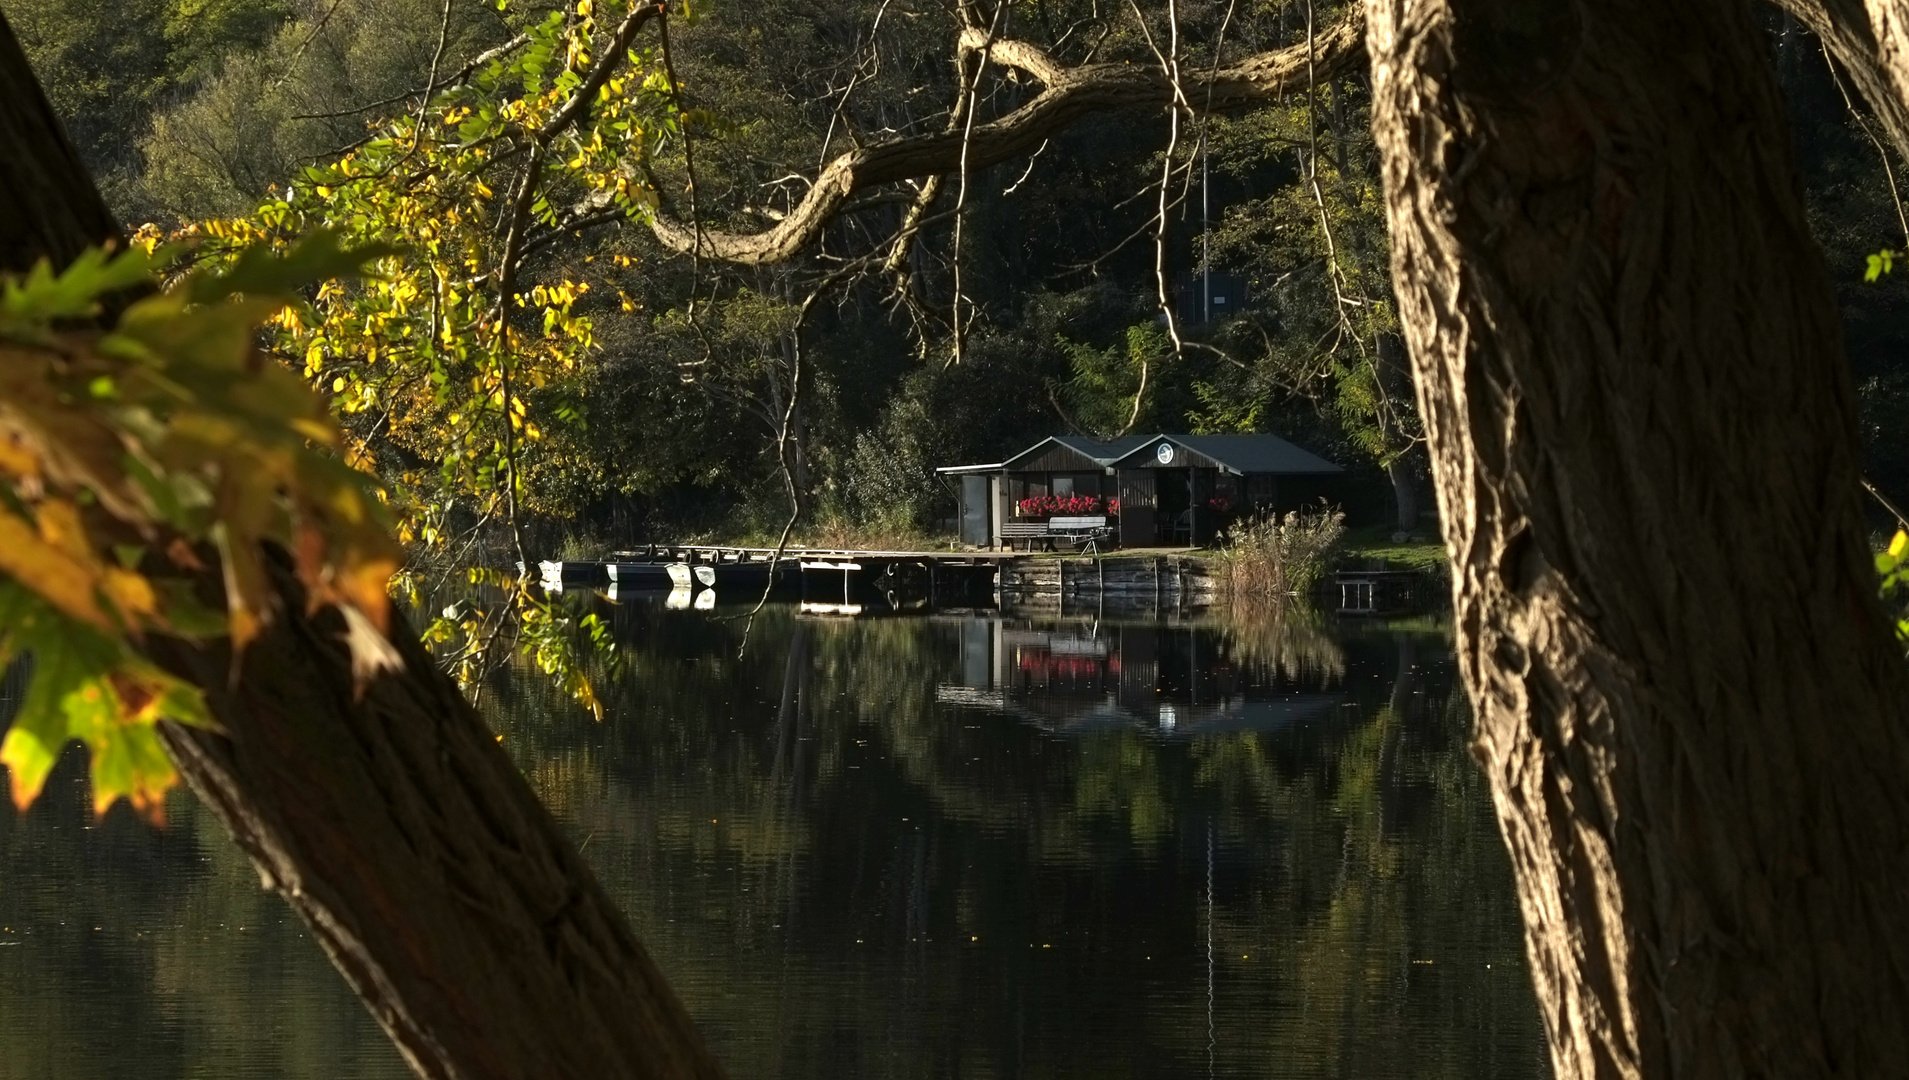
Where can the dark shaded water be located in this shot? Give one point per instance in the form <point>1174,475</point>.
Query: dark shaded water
<point>926,847</point>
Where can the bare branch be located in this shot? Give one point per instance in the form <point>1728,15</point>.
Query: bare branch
<point>968,105</point>
<point>506,289</point>
<point>1170,67</point>
<point>1888,166</point>
<point>1071,94</point>
<point>1018,55</point>
<point>437,57</point>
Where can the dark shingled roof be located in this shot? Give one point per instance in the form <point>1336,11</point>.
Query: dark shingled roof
<point>1245,453</point>
<point>1238,453</point>
<point>1104,452</point>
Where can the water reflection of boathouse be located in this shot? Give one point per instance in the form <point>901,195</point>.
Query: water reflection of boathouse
<point>1175,680</point>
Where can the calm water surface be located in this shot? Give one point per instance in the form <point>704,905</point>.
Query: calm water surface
<point>946,846</point>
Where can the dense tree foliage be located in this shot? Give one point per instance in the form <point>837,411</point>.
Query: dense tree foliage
<point>1062,325</point>
<point>514,154</point>
<point>202,113</point>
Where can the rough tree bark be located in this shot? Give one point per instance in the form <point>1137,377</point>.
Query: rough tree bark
<point>1870,39</point>
<point>1889,22</point>
<point>1630,369</point>
<point>391,821</point>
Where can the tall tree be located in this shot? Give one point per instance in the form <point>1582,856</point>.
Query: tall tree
<point>1643,434</point>
<point>385,814</point>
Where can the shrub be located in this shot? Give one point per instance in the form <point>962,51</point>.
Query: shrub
<point>1274,556</point>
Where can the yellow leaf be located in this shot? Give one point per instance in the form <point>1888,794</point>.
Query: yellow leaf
<point>1898,545</point>
<point>28,759</point>
<point>131,593</point>
<point>55,575</point>
<point>16,459</point>
<point>60,526</point>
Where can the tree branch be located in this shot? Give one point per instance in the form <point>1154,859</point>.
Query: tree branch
<point>1071,93</point>
<point>608,61</point>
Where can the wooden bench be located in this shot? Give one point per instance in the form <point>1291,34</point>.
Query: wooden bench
<point>1023,530</point>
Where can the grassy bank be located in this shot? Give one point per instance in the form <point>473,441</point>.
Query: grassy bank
<point>1371,545</point>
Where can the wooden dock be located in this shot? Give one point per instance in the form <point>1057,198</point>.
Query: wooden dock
<point>725,553</point>
<point>846,580</point>
<point>823,574</point>
<point>937,576</point>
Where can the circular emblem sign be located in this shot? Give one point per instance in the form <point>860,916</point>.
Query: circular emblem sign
<point>1164,452</point>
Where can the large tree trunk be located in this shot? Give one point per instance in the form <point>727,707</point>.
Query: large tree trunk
<point>1404,494</point>
<point>391,820</point>
<point>1643,440</point>
<point>1870,39</point>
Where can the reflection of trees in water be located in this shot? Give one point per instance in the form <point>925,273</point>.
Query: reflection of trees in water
<point>760,815</point>
<point>1283,640</point>
<point>130,951</point>
<point>757,815</point>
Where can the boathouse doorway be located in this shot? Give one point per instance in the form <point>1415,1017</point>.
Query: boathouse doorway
<point>1173,504</point>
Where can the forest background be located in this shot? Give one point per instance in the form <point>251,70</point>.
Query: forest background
<point>685,383</point>
<point>554,340</point>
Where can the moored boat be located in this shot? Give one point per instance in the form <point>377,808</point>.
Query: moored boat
<point>638,573</point>
<point>685,576</point>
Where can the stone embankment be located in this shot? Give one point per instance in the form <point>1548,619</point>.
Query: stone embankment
<point>1178,578</point>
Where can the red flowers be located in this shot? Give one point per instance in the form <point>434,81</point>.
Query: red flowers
<point>1219,504</point>
<point>1067,505</point>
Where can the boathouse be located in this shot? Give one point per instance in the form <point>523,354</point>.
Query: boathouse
<point>1154,490</point>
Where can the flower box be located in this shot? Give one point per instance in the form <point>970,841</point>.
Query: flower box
<point>1067,506</point>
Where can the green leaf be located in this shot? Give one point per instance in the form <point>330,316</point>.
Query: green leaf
<point>42,296</point>
<point>68,658</point>
<point>130,763</point>
<point>261,272</point>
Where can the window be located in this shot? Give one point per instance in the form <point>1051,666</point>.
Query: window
<point>1063,485</point>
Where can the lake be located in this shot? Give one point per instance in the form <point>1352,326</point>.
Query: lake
<point>951,845</point>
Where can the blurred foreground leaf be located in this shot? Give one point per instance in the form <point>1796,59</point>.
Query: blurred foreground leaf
<point>130,456</point>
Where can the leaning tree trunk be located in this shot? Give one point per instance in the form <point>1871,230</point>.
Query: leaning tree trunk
<point>1694,716</point>
<point>391,821</point>
<point>1870,39</point>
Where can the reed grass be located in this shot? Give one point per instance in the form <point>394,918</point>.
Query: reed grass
<point>1275,556</point>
